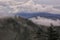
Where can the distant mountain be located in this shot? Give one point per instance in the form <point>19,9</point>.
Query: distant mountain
<point>41,14</point>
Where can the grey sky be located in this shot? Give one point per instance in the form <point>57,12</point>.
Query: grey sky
<point>55,3</point>
<point>13,6</point>
<point>51,2</point>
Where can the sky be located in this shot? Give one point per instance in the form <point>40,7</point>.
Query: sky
<point>15,6</point>
<point>50,2</point>
<point>11,7</point>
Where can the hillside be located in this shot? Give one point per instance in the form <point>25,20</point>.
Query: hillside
<point>17,28</point>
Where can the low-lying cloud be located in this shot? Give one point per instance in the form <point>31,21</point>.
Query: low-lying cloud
<point>45,21</point>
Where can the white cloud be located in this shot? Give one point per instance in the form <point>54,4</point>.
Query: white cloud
<point>13,6</point>
<point>45,21</point>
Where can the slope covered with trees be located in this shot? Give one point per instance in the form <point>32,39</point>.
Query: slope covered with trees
<point>17,28</point>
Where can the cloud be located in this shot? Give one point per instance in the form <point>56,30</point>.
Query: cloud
<point>31,6</point>
<point>45,21</point>
<point>13,6</point>
<point>49,2</point>
<point>8,7</point>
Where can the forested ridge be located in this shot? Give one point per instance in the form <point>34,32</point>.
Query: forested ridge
<point>18,28</point>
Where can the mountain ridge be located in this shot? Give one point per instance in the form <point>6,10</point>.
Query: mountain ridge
<point>41,14</point>
<point>18,28</point>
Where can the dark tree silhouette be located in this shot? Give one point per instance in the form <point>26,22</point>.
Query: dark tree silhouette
<point>38,33</point>
<point>26,34</point>
<point>52,34</point>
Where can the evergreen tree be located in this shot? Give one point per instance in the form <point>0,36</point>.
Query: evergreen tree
<point>38,33</point>
<point>52,34</point>
<point>26,34</point>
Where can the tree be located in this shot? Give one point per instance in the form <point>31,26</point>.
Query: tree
<point>38,34</point>
<point>26,34</point>
<point>52,34</point>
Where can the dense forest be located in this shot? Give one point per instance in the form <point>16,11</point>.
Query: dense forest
<point>18,28</point>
